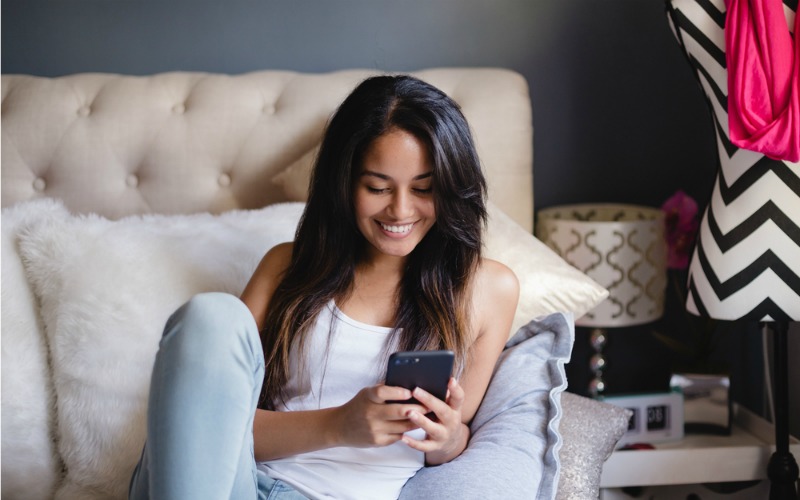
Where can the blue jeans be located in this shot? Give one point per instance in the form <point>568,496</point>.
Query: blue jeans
<point>205,387</point>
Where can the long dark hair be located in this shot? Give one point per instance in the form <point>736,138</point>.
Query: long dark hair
<point>433,300</point>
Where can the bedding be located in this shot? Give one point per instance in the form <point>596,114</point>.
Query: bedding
<point>106,288</point>
<point>84,297</point>
<point>27,393</point>
<point>514,441</point>
<point>590,431</point>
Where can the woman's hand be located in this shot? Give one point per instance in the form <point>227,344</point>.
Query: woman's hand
<point>447,436</point>
<point>368,420</point>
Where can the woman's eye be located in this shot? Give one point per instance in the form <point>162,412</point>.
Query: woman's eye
<point>376,190</point>
<point>423,190</point>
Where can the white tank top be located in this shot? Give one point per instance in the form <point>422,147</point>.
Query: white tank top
<point>337,367</point>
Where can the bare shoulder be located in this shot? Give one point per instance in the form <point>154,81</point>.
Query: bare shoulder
<point>280,256</point>
<point>497,280</point>
<point>274,263</point>
<point>265,279</point>
<point>495,298</point>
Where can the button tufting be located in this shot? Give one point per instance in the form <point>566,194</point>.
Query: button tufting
<point>84,111</point>
<point>179,108</point>
<point>132,181</point>
<point>39,184</point>
<point>269,109</point>
<point>224,180</point>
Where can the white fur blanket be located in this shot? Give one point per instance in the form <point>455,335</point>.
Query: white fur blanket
<point>106,289</point>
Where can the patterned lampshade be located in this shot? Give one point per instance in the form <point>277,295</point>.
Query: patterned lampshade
<point>622,247</point>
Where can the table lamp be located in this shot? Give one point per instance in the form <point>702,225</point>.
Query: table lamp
<point>621,247</point>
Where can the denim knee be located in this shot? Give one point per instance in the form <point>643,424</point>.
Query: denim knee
<point>213,323</point>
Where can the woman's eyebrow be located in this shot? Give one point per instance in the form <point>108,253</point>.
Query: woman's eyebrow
<point>376,174</point>
<point>388,178</point>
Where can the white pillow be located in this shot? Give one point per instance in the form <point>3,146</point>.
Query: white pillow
<point>32,467</point>
<point>548,283</point>
<point>106,289</point>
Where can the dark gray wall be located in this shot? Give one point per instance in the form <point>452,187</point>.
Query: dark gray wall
<point>617,114</point>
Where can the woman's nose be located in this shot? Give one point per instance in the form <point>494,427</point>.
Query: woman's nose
<point>402,205</point>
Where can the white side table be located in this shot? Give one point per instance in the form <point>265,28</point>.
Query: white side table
<point>742,456</point>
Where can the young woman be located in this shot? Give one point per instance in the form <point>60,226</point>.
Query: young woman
<point>387,257</point>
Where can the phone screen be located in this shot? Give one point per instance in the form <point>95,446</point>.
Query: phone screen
<point>429,370</point>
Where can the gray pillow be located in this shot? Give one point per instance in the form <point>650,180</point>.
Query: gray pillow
<point>513,450</point>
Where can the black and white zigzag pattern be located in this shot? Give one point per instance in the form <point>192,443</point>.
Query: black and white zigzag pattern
<point>747,261</point>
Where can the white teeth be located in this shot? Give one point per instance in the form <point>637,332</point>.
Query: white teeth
<point>397,229</point>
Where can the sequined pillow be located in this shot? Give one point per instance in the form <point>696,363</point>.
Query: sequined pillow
<point>590,430</point>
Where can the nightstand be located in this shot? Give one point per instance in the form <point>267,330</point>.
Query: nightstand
<point>696,459</point>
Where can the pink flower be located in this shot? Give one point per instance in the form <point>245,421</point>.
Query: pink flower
<point>681,221</point>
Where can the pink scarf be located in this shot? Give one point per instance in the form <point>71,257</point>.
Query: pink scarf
<point>763,78</point>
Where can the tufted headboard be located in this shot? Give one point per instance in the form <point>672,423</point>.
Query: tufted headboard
<point>192,142</point>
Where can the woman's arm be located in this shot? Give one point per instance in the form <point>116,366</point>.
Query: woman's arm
<point>495,299</point>
<point>494,302</point>
<point>366,420</point>
<point>265,279</point>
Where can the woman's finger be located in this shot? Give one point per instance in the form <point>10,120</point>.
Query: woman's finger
<point>424,446</point>
<point>456,395</point>
<point>430,401</point>
<point>432,429</point>
<point>384,393</point>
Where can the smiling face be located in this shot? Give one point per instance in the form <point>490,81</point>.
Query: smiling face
<point>393,194</point>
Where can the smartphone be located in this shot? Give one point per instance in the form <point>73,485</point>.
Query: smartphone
<point>429,370</point>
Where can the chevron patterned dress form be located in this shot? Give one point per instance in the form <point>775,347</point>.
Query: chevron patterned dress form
<point>746,264</point>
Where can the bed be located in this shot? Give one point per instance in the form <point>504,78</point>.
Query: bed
<point>125,195</point>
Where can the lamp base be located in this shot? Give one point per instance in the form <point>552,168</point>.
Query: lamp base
<point>598,338</point>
